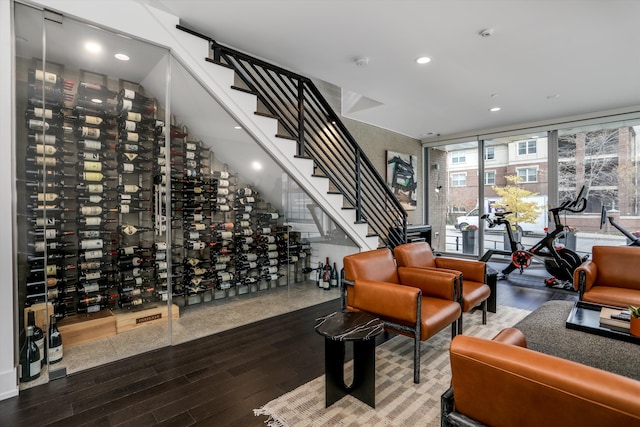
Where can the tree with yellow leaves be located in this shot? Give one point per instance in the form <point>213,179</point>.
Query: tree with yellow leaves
<point>513,200</point>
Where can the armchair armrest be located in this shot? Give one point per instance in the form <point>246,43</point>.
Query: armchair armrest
<point>387,300</point>
<point>585,276</point>
<point>471,270</point>
<point>431,282</point>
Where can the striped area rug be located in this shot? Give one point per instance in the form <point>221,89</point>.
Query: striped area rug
<point>399,402</point>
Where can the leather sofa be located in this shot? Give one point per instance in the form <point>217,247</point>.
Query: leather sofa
<point>495,383</point>
<point>611,277</point>
<point>411,301</point>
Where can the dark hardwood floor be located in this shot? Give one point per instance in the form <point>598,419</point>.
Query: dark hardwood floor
<point>213,381</point>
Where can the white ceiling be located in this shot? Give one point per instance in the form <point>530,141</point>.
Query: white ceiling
<point>584,51</point>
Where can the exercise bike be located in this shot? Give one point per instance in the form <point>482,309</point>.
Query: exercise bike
<point>633,240</point>
<point>559,261</point>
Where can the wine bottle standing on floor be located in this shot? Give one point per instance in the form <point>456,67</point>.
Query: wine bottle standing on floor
<point>326,275</point>
<point>55,341</point>
<point>334,276</point>
<point>30,361</point>
<point>38,334</point>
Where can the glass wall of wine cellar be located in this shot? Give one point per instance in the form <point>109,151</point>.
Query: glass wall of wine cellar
<point>141,226</point>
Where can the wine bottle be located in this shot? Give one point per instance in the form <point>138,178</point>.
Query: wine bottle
<point>333,281</point>
<point>319,275</point>
<point>97,221</point>
<point>98,254</point>
<point>49,245</point>
<point>92,188</point>
<point>50,92</point>
<point>95,176</point>
<point>51,269</point>
<point>54,355</point>
<point>326,275</point>
<point>93,133</point>
<point>30,360</point>
<point>132,148</point>
<point>131,189</point>
<point>48,78</point>
<point>45,103</point>
<point>44,114</point>
<point>93,145</point>
<point>48,150</point>
<point>50,233</point>
<point>38,334</point>
<point>130,230</point>
<point>48,139</point>
<point>93,90</point>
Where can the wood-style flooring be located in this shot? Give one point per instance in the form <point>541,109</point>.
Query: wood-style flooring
<point>213,381</point>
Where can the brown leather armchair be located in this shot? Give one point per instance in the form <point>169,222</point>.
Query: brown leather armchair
<point>473,288</point>
<point>610,277</point>
<point>523,387</point>
<point>411,301</point>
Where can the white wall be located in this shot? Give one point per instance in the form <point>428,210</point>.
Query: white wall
<point>8,374</point>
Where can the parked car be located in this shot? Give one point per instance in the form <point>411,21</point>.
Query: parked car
<point>542,221</point>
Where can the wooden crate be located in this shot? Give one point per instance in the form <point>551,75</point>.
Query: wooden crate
<point>132,319</point>
<point>42,313</point>
<point>87,327</point>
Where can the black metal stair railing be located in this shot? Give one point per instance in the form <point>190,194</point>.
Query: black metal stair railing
<point>306,116</point>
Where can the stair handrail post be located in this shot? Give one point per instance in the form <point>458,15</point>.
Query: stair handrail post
<point>301,134</point>
<point>359,215</point>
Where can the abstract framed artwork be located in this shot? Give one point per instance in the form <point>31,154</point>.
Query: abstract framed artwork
<point>402,178</point>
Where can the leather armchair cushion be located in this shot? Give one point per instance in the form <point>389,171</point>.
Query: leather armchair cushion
<point>611,295</point>
<point>417,254</point>
<point>389,300</point>
<point>474,294</point>
<point>471,270</point>
<point>377,265</point>
<point>431,282</point>
<point>619,266</point>
<point>503,385</point>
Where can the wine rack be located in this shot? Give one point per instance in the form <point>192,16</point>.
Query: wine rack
<point>102,186</point>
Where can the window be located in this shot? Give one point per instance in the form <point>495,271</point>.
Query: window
<point>489,153</point>
<point>458,209</point>
<point>490,178</point>
<point>458,157</point>
<point>528,174</point>
<point>527,147</point>
<point>458,179</point>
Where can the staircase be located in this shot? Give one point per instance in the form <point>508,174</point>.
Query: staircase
<point>292,121</point>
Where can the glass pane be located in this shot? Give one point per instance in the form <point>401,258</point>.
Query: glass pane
<point>604,158</point>
<point>520,168</point>
<point>87,177</point>
<point>453,198</point>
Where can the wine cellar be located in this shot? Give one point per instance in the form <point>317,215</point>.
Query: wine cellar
<point>134,231</point>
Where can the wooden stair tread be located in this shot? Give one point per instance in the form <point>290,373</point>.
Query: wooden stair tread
<point>271,116</point>
<point>222,64</point>
<point>243,89</point>
<point>279,135</point>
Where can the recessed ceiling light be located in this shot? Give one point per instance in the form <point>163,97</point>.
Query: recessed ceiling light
<point>237,127</point>
<point>423,60</point>
<point>256,165</point>
<point>96,100</point>
<point>93,47</point>
<point>121,56</point>
<point>494,109</point>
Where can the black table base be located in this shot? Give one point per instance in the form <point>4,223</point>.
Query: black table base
<point>363,386</point>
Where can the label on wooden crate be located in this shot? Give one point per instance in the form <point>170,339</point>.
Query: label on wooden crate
<point>148,318</point>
